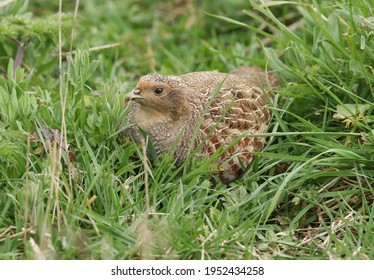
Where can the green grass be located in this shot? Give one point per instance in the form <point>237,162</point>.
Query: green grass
<point>69,189</point>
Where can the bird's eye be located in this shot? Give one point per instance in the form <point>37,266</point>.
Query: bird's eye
<point>158,90</point>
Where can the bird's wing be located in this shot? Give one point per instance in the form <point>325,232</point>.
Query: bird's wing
<point>242,108</point>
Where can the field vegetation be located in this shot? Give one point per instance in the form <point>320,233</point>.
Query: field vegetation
<point>70,188</point>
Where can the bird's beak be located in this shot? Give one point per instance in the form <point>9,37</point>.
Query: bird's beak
<point>133,95</point>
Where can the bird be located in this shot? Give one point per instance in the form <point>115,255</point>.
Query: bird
<point>209,113</point>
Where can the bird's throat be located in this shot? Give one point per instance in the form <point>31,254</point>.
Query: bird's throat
<point>147,116</point>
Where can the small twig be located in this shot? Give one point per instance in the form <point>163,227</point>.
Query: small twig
<point>24,230</point>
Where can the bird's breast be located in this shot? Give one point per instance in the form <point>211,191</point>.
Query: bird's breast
<point>164,132</point>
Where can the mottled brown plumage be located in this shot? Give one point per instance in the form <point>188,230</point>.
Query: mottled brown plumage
<point>210,109</point>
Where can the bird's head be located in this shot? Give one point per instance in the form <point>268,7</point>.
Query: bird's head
<point>160,93</point>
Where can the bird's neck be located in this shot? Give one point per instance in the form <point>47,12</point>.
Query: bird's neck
<point>147,116</point>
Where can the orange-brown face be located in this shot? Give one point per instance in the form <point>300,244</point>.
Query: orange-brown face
<point>158,95</point>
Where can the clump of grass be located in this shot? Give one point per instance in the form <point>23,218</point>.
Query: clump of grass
<point>81,193</point>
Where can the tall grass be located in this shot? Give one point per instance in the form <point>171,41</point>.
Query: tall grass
<point>71,189</point>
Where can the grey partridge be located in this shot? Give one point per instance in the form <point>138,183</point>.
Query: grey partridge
<point>204,111</point>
